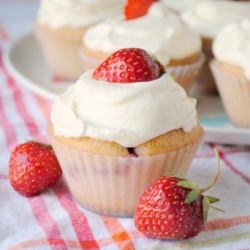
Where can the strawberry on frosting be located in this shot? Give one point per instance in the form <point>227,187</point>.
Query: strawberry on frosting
<point>127,66</point>
<point>137,8</point>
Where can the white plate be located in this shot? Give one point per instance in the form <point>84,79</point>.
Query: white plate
<point>25,63</point>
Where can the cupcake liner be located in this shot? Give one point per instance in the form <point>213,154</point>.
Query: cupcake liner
<point>113,185</point>
<point>60,49</point>
<point>186,75</point>
<point>234,90</point>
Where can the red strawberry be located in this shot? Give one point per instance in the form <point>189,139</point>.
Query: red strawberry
<point>128,66</point>
<point>137,8</point>
<point>33,167</point>
<point>173,209</point>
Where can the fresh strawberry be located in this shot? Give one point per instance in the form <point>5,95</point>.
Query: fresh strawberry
<point>33,167</point>
<point>137,8</point>
<point>128,66</point>
<point>173,208</point>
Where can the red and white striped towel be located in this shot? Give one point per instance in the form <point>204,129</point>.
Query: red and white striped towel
<point>53,220</point>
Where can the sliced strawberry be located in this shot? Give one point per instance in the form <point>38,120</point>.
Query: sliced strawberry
<point>137,8</point>
<point>128,66</point>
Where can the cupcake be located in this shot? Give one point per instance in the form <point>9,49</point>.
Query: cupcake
<point>159,31</point>
<point>119,128</point>
<point>209,18</point>
<point>60,26</point>
<point>231,69</point>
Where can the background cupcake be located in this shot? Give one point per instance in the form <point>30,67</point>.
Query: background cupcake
<point>60,26</point>
<point>231,69</point>
<point>121,127</point>
<point>159,31</point>
<point>209,18</point>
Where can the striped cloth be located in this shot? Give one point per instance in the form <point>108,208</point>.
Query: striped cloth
<point>53,220</point>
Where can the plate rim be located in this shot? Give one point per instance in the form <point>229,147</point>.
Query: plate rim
<point>16,74</point>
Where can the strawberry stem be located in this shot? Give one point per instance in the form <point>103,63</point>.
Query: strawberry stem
<point>217,174</point>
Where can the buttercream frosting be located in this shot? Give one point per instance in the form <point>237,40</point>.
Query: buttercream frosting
<point>210,17</point>
<point>77,13</point>
<point>232,45</point>
<point>160,32</point>
<point>129,114</point>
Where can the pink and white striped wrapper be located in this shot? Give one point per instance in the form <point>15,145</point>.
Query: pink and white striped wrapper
<point>113,185</point>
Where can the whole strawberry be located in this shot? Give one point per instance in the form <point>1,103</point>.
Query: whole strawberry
<point>128,66</point>
<point>33,167</point>
<point>173,208</point>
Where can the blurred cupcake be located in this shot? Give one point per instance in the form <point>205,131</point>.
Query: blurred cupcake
<point>119,128</point>
<point>209,18</point>
<point>60,26</point>
<point>231,70</point>
<point>159,31</point>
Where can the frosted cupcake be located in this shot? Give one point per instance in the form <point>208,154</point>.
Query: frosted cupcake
<point>120,127</point>
<point>209,18</point>
<point>159,31</point>
<point>60,26</point>
<point>231,69</point>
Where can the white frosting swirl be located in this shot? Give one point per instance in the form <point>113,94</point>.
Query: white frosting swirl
<point>180,5</point>
<point>232,45</point>
<point>160,32</point>
<point>76,13</point>
<point>210,17</point>
<point>129,114</point>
